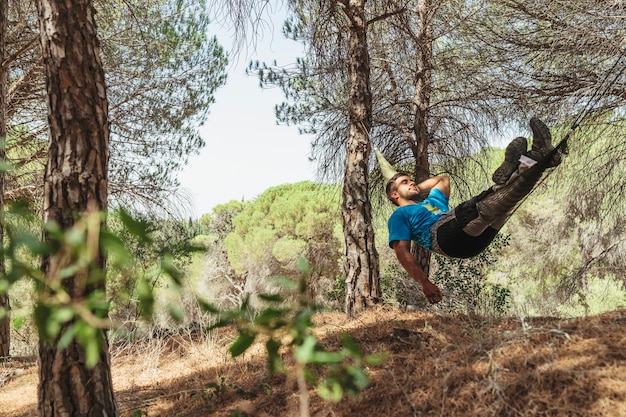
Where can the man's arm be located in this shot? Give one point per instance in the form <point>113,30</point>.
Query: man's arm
<point>402,248</point>
<point>442,183</point>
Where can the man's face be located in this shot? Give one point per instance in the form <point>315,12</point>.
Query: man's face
<point>405,189</point>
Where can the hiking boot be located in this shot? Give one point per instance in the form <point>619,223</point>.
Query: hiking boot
<point>512,154</point>
<point>542,143</point>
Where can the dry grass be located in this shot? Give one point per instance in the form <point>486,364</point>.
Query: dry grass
<point>437,366</point>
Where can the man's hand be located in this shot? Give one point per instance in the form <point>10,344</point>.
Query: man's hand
<point>432,292</point>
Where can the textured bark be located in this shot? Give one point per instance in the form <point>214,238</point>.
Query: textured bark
<point>421,103</point>
<point>5,325</point>
<point>75,181</point>
<point>360,257</point>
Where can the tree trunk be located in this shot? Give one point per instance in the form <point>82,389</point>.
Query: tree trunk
<point>5,324</point>
<point>360,257</point>
<point>75,180</point>
<point>421,106</point>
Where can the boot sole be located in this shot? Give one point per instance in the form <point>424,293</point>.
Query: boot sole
<point>511,160</point>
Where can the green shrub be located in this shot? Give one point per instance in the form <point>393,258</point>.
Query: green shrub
<point>465,286</point>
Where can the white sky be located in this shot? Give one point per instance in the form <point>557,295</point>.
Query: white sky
<point>246,151</point>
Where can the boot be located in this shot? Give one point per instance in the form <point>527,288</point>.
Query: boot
<point>512,154</point>
<point>542,143</point>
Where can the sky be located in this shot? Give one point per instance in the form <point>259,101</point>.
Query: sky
<point>246,151</point>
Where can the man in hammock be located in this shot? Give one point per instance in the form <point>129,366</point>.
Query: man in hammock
<point>423,214</point>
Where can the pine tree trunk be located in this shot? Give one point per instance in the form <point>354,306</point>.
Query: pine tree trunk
<point>360,257</point>
<point>5,324</point>
<point>423,91</point>
<point>75,181</point>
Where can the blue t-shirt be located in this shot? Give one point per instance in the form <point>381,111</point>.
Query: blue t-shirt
<point>413,222</point>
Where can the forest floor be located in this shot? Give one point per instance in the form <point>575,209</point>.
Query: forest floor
<point>436,365</point>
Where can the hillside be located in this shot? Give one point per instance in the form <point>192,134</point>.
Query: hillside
<point>437,366</point>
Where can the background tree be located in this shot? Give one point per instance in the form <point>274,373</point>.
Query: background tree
<point>76,180</point>
<point>559,59</point>
<point>336,33</point>
<point>360,256</point>
<point>446,76</point>
<point>5,323</point>
<point>407,126</point>
<point>162,69</point>
<point>280,226</point>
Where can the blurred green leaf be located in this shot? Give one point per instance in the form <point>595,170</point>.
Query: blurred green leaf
<point>243,342</point>
<point>67,337</point>
<point>210,308</point>
<point>115,249</point>
<point>75,236</point>
<point>359,380</point>
<point>91,340</point>
<point>375,360</point>
<point>322,357</point>
<point>273,355</point>
<point>146,297</point>
<point>350,346</point>
<point>330,390</point>
<point>137,228</point>
<point>62,314</point>
<point>285,282</point>
<point>271,298</point>
<point>168,265</point>
<point>304,352</point>
<point>271,316</point>
<point>33,243</point>
<point>303,266</point>
<point>176,312</point>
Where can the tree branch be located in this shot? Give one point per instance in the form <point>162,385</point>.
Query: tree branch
<point>386,15</point>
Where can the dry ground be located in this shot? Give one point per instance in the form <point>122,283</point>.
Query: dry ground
<point>436,366</point>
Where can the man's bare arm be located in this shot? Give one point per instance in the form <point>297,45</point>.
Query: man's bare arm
<point>402,248</point>
<point>442,183</point>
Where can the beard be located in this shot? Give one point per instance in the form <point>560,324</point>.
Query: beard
<point>421,195</point>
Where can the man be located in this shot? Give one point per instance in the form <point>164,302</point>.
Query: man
<point>469,228</point>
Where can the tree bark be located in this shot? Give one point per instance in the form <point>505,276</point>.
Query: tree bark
<point>75,181</point>
<point>360,256</point>
<point>5,324</point>
<point>421,107</point>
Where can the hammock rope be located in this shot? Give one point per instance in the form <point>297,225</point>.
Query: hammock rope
<point>597,95</point>
<point>531,176</point>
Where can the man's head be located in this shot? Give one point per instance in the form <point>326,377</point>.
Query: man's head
<point>401,188</point>
<point>393,185</point>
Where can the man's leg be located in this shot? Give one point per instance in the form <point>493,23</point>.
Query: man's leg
<point>495,208</point>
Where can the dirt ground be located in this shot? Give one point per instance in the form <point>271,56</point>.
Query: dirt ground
<point>436,366</point>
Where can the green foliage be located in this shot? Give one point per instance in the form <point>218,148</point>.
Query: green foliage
<point>161,87</point>
<point>284,326</point>
<point>71,304</point>
<point>220,220</point>
<point>157,251</point>
<point>568,238</point>
<point>398,288</point>
<point>464,282</point>
<point>284,223</point>
<point>163,69</point>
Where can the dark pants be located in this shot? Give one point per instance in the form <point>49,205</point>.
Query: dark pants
<point>471,226</point>
<point>449,238</point>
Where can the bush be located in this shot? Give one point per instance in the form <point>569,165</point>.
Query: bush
<point>464,282</point>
